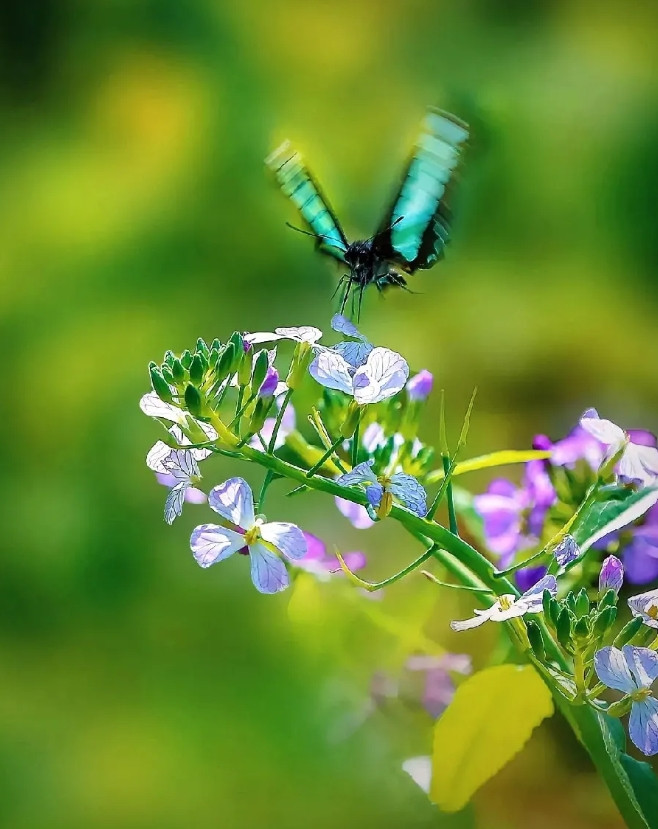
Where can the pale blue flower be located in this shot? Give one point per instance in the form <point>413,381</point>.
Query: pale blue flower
<point>646,606</point>
<point>566,551</point>
<point>177,469</point>
<point>633,671</point>
<point>382,375</point>
<point>265,543</point>
<point>402,487</point>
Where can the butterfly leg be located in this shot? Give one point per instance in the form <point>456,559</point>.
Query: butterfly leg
<point>337,288</point>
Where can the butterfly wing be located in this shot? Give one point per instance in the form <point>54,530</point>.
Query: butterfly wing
<point>416,229</point>
<point>297,183</point>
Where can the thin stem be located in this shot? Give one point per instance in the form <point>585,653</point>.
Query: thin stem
<point>330,451</point>
<point>355,444</point>
<point>279,418</point>
<point>596,690</point>
<point>452,516</point>
<point>519,565</point>
<point>267,480</point>
<point>431,512</point>
<point>242,410</point>
<point>434,579</point>
<point>321,430</point>
<point>372,586</point>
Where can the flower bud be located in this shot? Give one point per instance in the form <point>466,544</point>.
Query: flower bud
<point>159,384</point>
<point>244,367</point>
<point>536,640</point>
<point>186,359</point>
<point>618,709</point>
<point>605,620</point>
<point>196,370</point>
<point>611,576</point>
<point>169,358</point>
<point>628,632</point>
<point>301,360</point>
<point>563,627</point>
<point>193,400</point>
<point>420,386</point>
<point>261,365</point>
<point>202,348</point>
<point>177,370</point>
<point>260,412</point>
<point>225,363</point>
<point>269,384</point>
<point>609,599</point>
<point>168,376</point>
<point>581,629</point>
<point>353,417</point>
<point>582,603</point>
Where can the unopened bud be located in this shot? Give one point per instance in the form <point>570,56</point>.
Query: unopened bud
<point>193,400</point>
<point>353,417</point>
<point>261,365</point>
<point>611,576</point>
<point>628,632</point>
<point>301,360</point>
<point>159,384</point>
<point>196,370</point>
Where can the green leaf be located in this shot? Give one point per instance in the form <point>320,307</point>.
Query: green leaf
<point>503,458</point>
<point>488,722</point>
<point>645,785</point>
<point>621,507</point>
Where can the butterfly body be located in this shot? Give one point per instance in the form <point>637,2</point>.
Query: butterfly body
<point>414,231</point>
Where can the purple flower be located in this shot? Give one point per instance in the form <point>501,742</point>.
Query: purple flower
<point>317,562</point>
<point>611,576</point>
<point>641,552</point>
<point>355,513</point>
<point>265,543</point>
<point>566,551</point>
<point>578,445</point>
<point>270,384</point>
<point>381,490</point>
<point>632,671</point>
<point>638,463</point>
<point>439,686</point>
<point>420,386</point>
<point>514,516</point>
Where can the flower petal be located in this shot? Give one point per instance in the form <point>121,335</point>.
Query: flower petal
<point>157,453</point>
<point>646,606</point>
<point>344,326</point>
<point>355,513</point>
<point>643,725</point>
<point>233,500</point>
<point>332,371</point>
<point>612,670</point>
<point>211,543</point>
<point>353,353</point>
<point>384,374</point>
<point>566,551</point>
<point>604,430</point>
<point>195,496</point>
<point>181,464</point>
<point>537,590</point>
<point>287,538</point>
<point>636,467</point>
<point>643,663</point>
<point>481,617</point>
<point>300,333</point>
<point>409,492</point>
<point>152,406</point>
<point>361,473</point>
<point>174,502</point>
<point>374,494</point>
<point>268,571</point>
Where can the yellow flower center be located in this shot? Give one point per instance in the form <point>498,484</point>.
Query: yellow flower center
<point>506,602</point>
<point>252,535</point>
<point>640,694</point>
<point>652,611</point>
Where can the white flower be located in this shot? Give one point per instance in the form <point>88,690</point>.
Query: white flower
<point>646,606</point>
<point>300,334</point>
<point>152,406</point>
<point>404,488</point>
<point>638,463</point>
<point>182,473</point>
<point>509,607</point>
<point>264,543</point>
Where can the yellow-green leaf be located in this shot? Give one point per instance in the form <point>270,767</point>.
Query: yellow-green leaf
<point>488,722</point>
<point>501,458</point>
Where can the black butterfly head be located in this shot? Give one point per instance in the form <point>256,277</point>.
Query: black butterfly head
<point>360,258</point>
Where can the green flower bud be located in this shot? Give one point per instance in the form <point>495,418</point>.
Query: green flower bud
<point>628,632</point>
<point>353,416</point>
<point>169,358</point>
<point>618,709</point>
<point>186,359</point>
<point>243,367</point>
<point>582,603</point>
<point>193,400</point>
<point>225,363</point>
<point>168,376</point>
<point>605,620</point>
<point>213,359</point>
<point>178,371</point>
<point>196,370</point>
<point>570,601</point>
<point>159,384</point>
<point>260,370</point>
<point>554,609</point>
<point>215,345</point>
<point>260,412</point>
<point>546,604</point>
<point>609,599</point>
<point>582,628</point>
<point>563,628</point>
<point>202,348</point>
<point>301,360</point>
<point>536,640</point>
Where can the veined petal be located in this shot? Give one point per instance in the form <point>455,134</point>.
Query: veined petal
<point>300,333</point>
<point>157,453</point>
<point>353,353</point>
<point>604,430</point>
<point>361,473</point>
<point>537,590</point>
<point>233,500</point>
<point>643,663</point>
<point>211,543</point>
<point>287,538</point>
<point>174,502</point>
<point>268,571</point>
<point>409,492</point>
<point>384,374</point>
<point>152,406</point>
<point>631,467</point>
<point>612,670</point>
<point>344,326</point>
<point>646,606</point>
<point>481,617</point>
<point>332,371</point>
<point>181,464</point>
<point>643,725</point>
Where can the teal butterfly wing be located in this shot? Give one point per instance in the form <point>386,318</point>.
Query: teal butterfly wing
<point>296,182</point>
<point>416,229</point>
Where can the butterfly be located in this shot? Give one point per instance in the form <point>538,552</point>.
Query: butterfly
<point>413,232</point>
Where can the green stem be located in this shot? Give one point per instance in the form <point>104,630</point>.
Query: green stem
<point>434,579</point>
<point>452,515</point>
<point>279,418</point>
<point>372,586</point>
<point>330,451</point>
<point>520,565</point>
<point>267,480</point>
<point>355,444</point>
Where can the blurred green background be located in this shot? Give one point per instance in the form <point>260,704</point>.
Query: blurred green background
<point>137,690</point>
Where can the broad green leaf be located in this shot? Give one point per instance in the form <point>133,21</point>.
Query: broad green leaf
<point>645,785</point>
<point>488,722</point>
<point>503,458</point>
<point>621,507</point>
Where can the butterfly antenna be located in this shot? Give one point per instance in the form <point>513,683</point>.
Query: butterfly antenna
<point>314,235</point>
<point>386,229</point>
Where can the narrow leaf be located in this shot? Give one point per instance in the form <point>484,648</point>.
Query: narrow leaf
<point>621,507</point>
<point>488,722</point>
<point>505,457</point>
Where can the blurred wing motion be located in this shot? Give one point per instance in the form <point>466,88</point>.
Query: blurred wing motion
<point>416,229</point>
<point>296,182</point>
